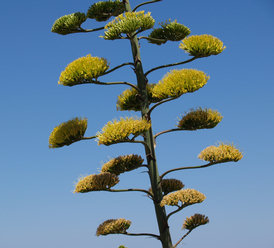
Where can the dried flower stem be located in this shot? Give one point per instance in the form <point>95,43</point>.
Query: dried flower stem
<point>82,30</point>
<point>169,65</point>
<point>180,240</point>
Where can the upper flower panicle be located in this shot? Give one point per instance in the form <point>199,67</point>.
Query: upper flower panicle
<point>103,10</point>
<point>169,31</point>
<point>123,164</point>
<point>202,45</point>
<point>119,131</point>
<point>221,153</point>
<point>68,133</point>
<point>178,82</point>
<point>83,70</point>
<point>200,119</point>
<point>128,23</point>
<point>113,226</point>
<point>102,181</point>
<point>69,23</point>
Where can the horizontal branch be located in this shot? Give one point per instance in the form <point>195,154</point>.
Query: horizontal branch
<point>152,39</point>
<point>180,240</point>
<point>82,30</point>
<point>88,138</point>
<point>117,67</point>
<point>168,131</point>
<point>191,167</point>
<point>169,65</point>
<point>142,234</point>
<point>153,1</point>
<point>159,103</point>
<point>112,83</point>
<point>129,190</point>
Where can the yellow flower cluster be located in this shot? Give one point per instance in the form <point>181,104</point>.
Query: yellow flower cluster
<point>130,99</point>
<point>83,70</point>
<point>69,23</point>
<point>195,221</point>
<point>122,164</point>
<point>128,23</point>
<point>178,82</point>
<point>185,196</point>
<point>103,10</point>
<point>202,45</point>
<point>170,185</point>
<point>221,153</point>
<point>119,131</point>
<point>68,132</point>
<point>113,226</point>
<point>199,119</point>
<point>95,182</point>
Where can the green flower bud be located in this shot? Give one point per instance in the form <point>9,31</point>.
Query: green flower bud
<point>102,11</point>
<point>171,31</point>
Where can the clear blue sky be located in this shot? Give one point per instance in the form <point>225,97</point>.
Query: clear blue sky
<point>37,206</point>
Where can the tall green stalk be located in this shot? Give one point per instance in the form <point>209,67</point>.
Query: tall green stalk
<point>149,140</point>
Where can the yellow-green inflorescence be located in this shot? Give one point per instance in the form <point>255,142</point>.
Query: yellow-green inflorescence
<point>128,23</point>
<point>113,226</point>
<point>69,23</point>
<point>102,181</point>
<point>178,82</point>
<point>68,133</point>
<point>194,221</point>
<point>200,119</point>
<point>119,131</point>
<point>130,99</point>
<point>103,10</point>
<point>221,153</point>
<point>169,31</point>
<point>185,196</point>
<point>202,45</point>
<point>122,164</point>
<point>83,70</point>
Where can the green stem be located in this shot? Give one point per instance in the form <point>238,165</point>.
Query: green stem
<point>148,139</point>
<point>167,131</point>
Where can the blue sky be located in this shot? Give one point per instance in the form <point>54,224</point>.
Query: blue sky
<point>38,208</point>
